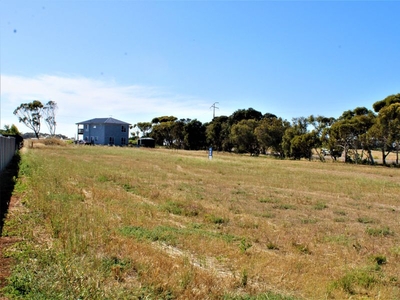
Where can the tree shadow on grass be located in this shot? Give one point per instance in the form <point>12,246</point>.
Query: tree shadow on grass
<point>7,183</point>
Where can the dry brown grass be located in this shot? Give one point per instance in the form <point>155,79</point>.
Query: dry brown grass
<point>162,223</point>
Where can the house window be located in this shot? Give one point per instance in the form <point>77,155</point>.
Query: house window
<point>111,140</point>
<point>123,129</point>
<point>123,141</point>
<point>87,127</point>
<point>94,126</point>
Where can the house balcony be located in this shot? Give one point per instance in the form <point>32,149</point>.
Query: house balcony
<point>80,130</point>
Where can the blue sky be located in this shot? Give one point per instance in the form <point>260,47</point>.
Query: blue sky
<point>136,60</point>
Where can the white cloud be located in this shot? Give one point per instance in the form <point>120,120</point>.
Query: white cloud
<point>80,99</point>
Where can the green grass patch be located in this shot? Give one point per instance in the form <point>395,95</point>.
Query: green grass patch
<point>284,206</point>
<point>358,281</point>
<point>160,233</point>
<point>366,220</point>
<point>383,231</point>
<point>320,206</point>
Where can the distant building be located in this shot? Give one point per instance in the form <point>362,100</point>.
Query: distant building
<point>104,131</point>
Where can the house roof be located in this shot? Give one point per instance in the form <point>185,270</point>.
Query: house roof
<point>103,121</point>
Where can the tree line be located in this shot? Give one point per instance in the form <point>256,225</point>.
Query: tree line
<point>353,135</point>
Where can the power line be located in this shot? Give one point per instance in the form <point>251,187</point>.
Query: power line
<point>214,107</point>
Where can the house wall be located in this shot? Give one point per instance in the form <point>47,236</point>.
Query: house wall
<point>100,133</point>
<point>115,131</point>
<point>95,133</point>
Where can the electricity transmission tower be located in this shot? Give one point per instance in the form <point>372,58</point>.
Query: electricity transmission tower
<point>214,107</point>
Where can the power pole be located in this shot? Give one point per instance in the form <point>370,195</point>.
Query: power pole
<point>214,107</point>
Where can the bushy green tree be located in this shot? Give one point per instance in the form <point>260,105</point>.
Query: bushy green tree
<point>386,130</point>
<point>244,114</point>
<point>194,135</point>
<point>297,128</point>
<point>217,134</point>
<point>12,130</point>
<point>351,132</point>
<point>321,126</point>
<point>269,132</point>
<point>243,137</point>
<point>391,99</point>
<point>162,130</point>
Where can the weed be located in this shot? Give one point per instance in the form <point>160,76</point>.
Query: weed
<point>340,220</point>
<point>215,219</point>
<point>244,245</point>
<point>385,231</point>
<point>365,220</point>
<point>268,200</point>
<point>186,278</point>
<point>264,296</point>
<point>338,239</point>
<point>379,259</point>
<point>272,246</point>
<point>309,221</point>
<point>116,267</point>
<point>355,281</point>
<point>102,178</point>
<point>284,206</point>
<point>189,209</point>
<point>320,206</point>
<point>269,215</point>
<point>173,207</point>
<point>129,188</point>
<point>301,248</point>
<point>159,233</point>
<point>244,278</point>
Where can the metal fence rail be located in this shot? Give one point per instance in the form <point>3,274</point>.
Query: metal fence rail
<point>7,150</point>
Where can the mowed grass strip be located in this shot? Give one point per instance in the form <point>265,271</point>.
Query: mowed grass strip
<point>107,222</point>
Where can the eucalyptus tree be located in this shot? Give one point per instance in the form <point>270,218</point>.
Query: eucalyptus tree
<point>144,127</point>
<point>30,114</point>
<point>391,99</point>
<point>162,130</point>
<point>351,132</point>
<point>244,114</point>
<point>243,137</point>
<point>269,133</point>
<point>217,134</point>
<point>292,145</point>
<point>386,130</point>
<point>49,115</point>
<point>320,131</point>
<point>194,135</point>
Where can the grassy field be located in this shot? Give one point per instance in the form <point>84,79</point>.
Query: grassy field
<point>129,223</point>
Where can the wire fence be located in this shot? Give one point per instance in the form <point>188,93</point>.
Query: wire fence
<point>8,147</point>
